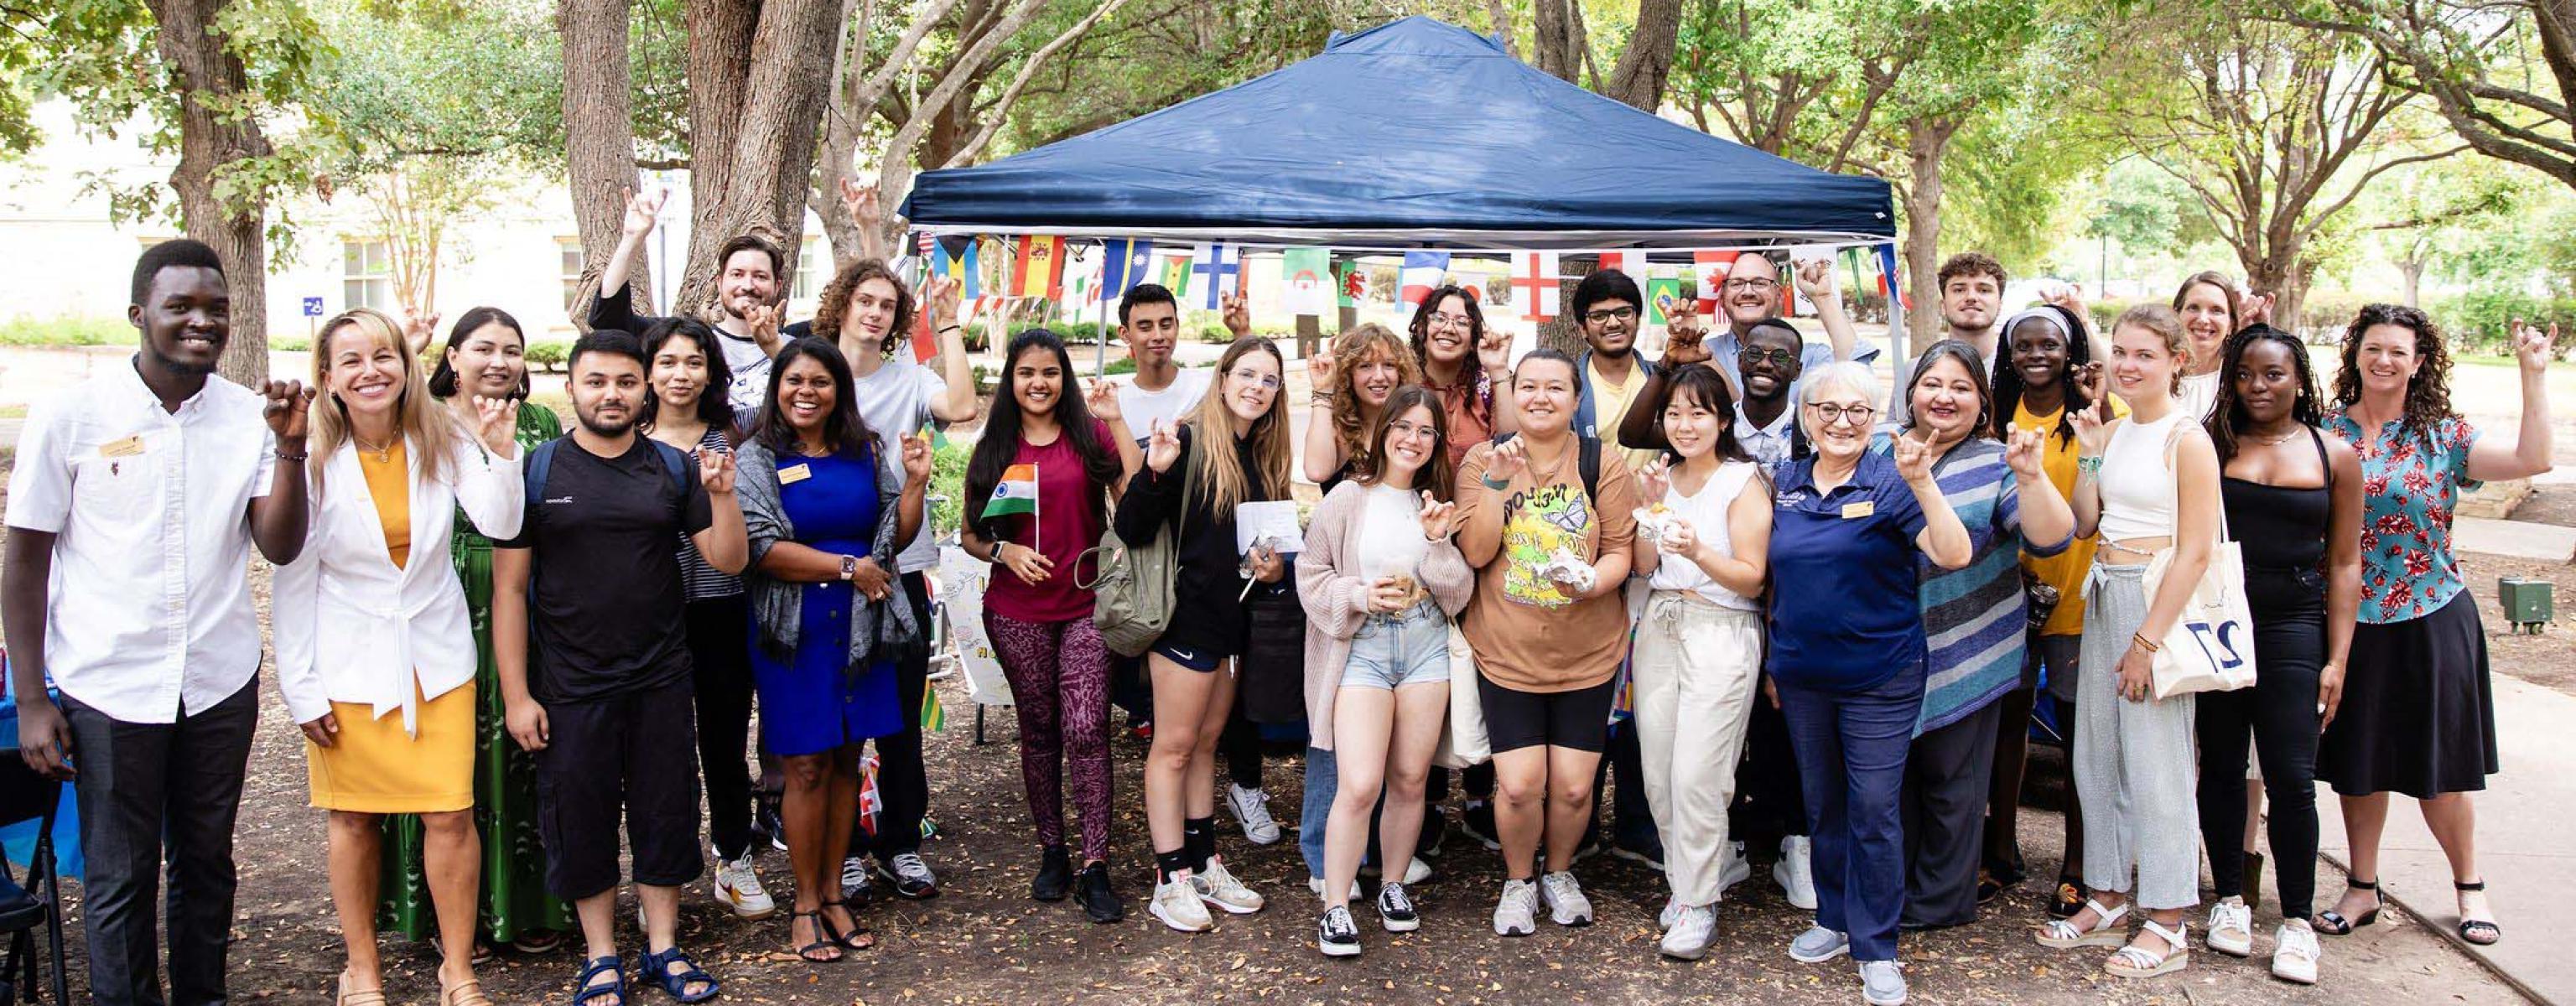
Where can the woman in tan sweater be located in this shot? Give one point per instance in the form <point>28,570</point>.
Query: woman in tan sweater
<point>1546,517</point>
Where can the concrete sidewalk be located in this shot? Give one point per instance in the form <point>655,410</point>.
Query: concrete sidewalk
<point>2522,848</point>
<point>2520,539</point>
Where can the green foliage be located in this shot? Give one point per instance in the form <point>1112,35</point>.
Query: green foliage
<point>2481,323</point>
<point>447,82</point>
<point>948,483</point>
<point>1148,56</point>
<point>548,354</point>
<point>66,330</point>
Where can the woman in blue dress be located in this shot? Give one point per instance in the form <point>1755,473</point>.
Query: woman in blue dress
<point>825,513</point>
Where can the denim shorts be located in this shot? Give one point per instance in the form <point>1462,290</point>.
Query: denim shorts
<point>1410,647</point>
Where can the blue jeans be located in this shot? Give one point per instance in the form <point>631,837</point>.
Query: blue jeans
<point>1323,782</point>
<point>1851,765</point>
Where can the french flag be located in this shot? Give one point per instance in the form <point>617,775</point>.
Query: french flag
<point>1421,274</point>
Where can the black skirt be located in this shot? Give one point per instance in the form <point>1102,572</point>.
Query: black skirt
<point>1272,681</point>
<point>2418,713</point>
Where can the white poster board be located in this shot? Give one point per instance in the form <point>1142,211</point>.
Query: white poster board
<point>962,580</point>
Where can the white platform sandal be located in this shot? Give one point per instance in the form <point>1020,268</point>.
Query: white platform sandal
<point>2064,934</point>
<point>2134,961</point>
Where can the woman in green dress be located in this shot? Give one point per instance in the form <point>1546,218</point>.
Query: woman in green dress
<point>485,355</point>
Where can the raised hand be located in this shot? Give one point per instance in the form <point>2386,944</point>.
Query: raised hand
<point>2532,348</point>
<point>2089,381</point>
<point>764,320</point>
<point>1319,373</point>
<point>1030,565</point>
<point>642,210</point>
<point>861,201</point>
<point>2066,295</point>
<point>496,422</point>
<point>1685,337</point>
<point>916,461</point>
<point>944,294</point>
<point>2257,308</point>
<point>1238,315</point>
<point>1386,597</point>
<point>324,731</point>
<point>1102,397</point>
<point>1494,351</point>
<point>1511,458</point>
<point>2092,434</point>
<point>1913,460</point>
<point>418,331</point>
<point>289,403</point>
<point>1815,278</point>
<point>1654,481</point>
<point>2024,452</point>
<point>1438,518</point>
<point>715,471</point>
<point>1162,447</point>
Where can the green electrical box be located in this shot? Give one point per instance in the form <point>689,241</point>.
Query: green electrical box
<point>2528,604</point>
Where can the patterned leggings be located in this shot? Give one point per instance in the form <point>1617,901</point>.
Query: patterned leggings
<point>1059,674</point>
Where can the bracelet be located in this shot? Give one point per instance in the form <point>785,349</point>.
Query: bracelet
<point>295,458</point>
<point>2089,465</point>
<point>1493,485</point>
<point>945,329</point>
<point>2143,643</point>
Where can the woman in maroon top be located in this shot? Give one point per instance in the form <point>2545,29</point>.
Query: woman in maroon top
<point>1037,617</point>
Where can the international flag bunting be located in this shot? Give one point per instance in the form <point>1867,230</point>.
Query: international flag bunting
<point>1708,268</point>
<point>934,717</point>
<point>1422,273</point>
<point>1039,269</point>
<point>1663,297</point>
<point>1309,275</point>
<point>925,343</point>
<point>1534,285</point>
<point>1175,275</point>
<point>1624,261</point>
<point>1888,285</point>
<point>1220,267</point>
<point>1354,283</point>
<point>1124,264</point>
<point>954,257</point>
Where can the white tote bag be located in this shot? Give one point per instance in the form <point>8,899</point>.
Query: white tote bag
<point>1462,741</point>
<point>2210,647</point>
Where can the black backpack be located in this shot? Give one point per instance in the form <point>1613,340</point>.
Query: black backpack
<point>1587,460</point>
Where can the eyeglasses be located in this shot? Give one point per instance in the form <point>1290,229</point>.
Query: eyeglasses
<point>1754,284</point>
<point>1778,357</point>
<point>1607,315</point>
<point>1447,320</point>
<point>1254,377</point>
<point>1409,431</point>
<point>1834,412</point>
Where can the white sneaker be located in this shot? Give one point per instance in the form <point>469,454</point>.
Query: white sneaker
<point>1252,810</point>
<point>1566,905</point>
<point>1796,877</point>
<point>1672,913</point>
<point>1516,914</point>
<point>1882,983</point>
<point>2295,952</point>
<point>1316,885</point>
<point>738,888</point>
<point>2231,927</point>
<point>1218,887</point>
<point>854,880</point>
<point>1416,871</point>
<point>1336,935</point>
<point>1731,868</point>
<point>1176,902</point>
<point>1693,930</point>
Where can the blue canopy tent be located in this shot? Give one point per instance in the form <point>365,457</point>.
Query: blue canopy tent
<point>1413,134</point>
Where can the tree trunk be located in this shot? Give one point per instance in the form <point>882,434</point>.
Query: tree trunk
<point>2412,269</point>
<point>1554,50</point>
<point>192,47</point>
<point>1926,140</point>
<point>599,140</point>
<point>766,141</point>
<point>1647,64</point>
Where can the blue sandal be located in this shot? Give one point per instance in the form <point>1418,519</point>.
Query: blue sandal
<point>657,966</point>
<point>584,994</point>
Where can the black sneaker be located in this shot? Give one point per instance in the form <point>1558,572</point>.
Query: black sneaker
<point>1395,909</point>
<point>1336,935</point>
<point>910,876</point>
<point>1477,822</point>
<point>1055,875</point>
<point>1091,891</point>
<point>855,889</point>
<point>766,825</point>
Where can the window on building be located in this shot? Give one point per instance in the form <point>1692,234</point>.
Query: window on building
<point>366,275</point>
<point>810,277</point>
<point>568,254</point>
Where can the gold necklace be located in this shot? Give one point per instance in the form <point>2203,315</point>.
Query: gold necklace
<point>2271,441</point>
<point>384,454</point>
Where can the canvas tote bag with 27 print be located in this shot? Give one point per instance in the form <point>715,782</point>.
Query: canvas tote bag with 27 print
<point>2210,647</point>
<point>1463,742</point>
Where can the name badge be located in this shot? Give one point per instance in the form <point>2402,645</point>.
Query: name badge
<point>1855,511</point>
<point>793,474</point>
<point>125,448</point>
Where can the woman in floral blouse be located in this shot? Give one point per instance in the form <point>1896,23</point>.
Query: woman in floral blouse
<point>2417,716</point>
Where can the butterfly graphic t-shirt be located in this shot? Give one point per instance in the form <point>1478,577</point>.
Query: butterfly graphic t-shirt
<point>1529,632</point>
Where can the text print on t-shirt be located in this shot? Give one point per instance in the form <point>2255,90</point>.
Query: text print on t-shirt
<point>1536,526</point>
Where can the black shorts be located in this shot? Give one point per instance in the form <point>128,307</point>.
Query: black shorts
<point>1197,658</point>
<point>633,755</point>
<point>1579,719</point>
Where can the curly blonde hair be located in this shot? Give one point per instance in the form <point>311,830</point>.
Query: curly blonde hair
<point>1360,345</point>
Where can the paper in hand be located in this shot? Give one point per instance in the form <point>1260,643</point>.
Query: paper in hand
<point>1272,519</point>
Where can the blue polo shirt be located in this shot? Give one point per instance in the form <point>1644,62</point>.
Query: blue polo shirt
<point>1846,614</point>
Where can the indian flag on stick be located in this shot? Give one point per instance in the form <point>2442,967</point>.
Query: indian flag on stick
<point>1017,492</point>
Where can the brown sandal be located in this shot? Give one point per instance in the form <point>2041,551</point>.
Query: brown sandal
<point>468,994</point>
<point>343,997</point>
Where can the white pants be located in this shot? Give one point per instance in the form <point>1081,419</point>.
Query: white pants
<point>1697,670</point>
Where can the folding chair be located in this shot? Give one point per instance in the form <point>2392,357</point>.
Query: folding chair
<point>24,795</point>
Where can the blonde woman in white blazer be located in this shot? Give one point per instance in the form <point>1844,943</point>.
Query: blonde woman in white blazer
<point>374,652</point>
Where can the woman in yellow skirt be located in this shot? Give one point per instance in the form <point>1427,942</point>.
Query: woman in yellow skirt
<point>374,652</point>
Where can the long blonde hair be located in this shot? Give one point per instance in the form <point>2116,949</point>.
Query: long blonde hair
<point>1355,347</point>
<point>1221,479</point>
<point>425,422</point>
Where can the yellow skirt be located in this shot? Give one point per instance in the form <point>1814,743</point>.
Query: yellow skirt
<point>377,768</point>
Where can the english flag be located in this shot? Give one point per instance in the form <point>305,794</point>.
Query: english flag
<point>1534,285</point>
<point>1625,261</point>
<point>1422,273</point>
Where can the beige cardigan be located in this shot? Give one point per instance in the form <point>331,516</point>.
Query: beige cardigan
<point>1337,601</point>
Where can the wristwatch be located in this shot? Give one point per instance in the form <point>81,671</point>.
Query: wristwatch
<point>850,568</point>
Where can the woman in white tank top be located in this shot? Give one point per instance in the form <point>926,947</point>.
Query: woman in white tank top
<point>1702,542</point>
<point>2146,483</point>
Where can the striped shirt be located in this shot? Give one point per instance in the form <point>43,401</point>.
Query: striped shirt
<point>1975,617</point>
<point>699,581</point>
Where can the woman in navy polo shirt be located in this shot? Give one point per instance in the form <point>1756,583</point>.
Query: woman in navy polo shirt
<point>1847,656</point>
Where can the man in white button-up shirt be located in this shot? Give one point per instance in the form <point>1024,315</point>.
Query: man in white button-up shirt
<point>134,502</point>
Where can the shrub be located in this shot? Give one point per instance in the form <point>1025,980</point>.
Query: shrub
<point>2482,323</point>
<point>947,484</point>
<point>66,330</point>
<point>548,355</point>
